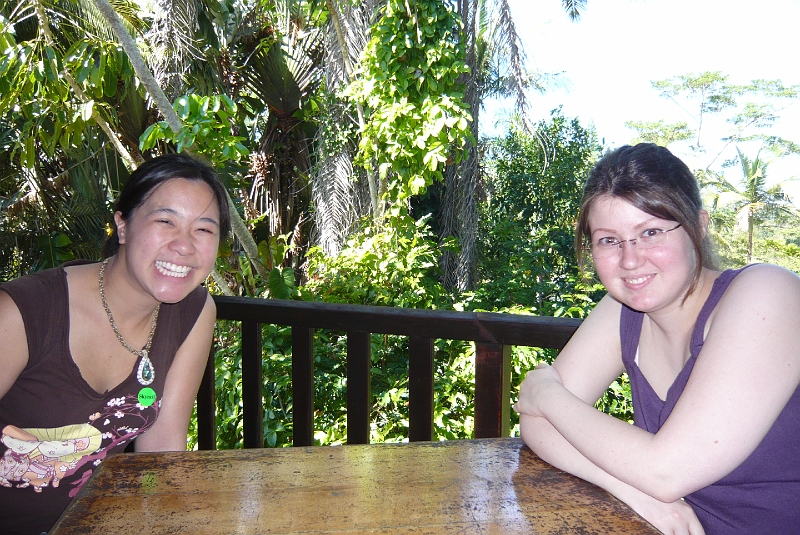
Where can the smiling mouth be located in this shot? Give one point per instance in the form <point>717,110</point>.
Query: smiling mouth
<point>172,270</point>
<point>638,280</point>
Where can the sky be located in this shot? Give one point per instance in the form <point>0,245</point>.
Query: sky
<point>610,56</point>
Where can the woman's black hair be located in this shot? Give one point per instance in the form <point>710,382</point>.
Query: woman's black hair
<point>157,171</point>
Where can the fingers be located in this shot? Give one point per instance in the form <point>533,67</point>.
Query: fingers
<point>696,528</point>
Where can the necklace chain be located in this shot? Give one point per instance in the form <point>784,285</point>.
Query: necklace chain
<point>146,348</point>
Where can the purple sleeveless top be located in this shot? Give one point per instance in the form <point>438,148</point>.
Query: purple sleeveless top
<point>762,495</point>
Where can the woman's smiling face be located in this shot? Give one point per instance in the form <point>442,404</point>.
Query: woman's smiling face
<point>170,242</point>
<point>646,280</point>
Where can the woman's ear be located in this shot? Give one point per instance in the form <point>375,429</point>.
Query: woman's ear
<point>704,222</point>
<point>121,224</point>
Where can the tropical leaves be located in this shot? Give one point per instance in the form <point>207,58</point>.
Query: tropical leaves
<point>754,200</point>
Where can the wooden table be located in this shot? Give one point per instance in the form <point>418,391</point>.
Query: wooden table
<point>489,486</point>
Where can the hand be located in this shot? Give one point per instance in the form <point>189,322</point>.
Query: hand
<point>534,388</point>
<point>677,518</point>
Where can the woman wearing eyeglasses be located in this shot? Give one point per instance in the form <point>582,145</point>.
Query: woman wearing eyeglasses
<point>713,360</point>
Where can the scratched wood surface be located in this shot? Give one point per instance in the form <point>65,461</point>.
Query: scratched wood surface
<point>490,486</point>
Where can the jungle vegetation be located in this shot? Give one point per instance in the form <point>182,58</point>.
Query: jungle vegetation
<point>347,133</point>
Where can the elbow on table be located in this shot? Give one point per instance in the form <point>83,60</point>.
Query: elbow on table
<point>667,486</point>
<point>533,431</point>
<point>665,493</point>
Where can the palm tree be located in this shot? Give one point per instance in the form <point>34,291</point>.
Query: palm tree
<point>754,201</point>
<point>496,60</point>
<point>264,55</point>
<point>58,168</point>
<point>497,68</point>
<point>343,194</point>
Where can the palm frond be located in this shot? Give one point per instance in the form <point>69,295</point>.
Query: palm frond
<point>172,43</point>
<point>508,47</point>
<point>574,8</point>
<point>333,196</point>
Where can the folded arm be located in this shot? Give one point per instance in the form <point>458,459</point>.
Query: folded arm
<point>589,363</point>
<point>723,413</point>
<point>676,517</point>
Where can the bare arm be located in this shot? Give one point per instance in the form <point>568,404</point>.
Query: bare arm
<point>587,365</point>
<point>170,430</point>
<point>673,518</point>
<point>13,341</point>
<point>750,350</point>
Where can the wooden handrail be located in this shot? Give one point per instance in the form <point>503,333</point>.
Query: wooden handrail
<point>493,334</point>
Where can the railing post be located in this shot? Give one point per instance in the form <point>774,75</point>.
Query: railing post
<point>207,407</point>
<point>359,393</point>
<point>420,388</point>
<point>252,379</point>
<point>302,386</point>
<point>492,390</point>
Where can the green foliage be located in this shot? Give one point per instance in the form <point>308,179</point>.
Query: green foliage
<point>754,202</point>
<point>526,235</point>
<point>56,178</point>
<point>57,211</point>
<point>750,110</point>
<point>276,389</point>
<point>392,267</point>
<point>239,272</point>
<point>777,241</point>
<point>395,266</point>
<point>207,128</point>
<point>409,82</point>
<point>37,99</point>
<point>710,89</point>
<point>659,132</point>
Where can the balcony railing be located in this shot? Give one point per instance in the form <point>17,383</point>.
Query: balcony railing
<point>493,334</point>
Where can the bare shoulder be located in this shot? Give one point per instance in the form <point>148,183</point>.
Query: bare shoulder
<point>765,283</point>
<point>209,312</point>
<point>210,304</point>
<point>203,328</point>
<point>604,318</point>
<point>761,304</point>
<point>11,324</point>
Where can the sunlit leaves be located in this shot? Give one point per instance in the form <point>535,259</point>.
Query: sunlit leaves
<point>34,90</point>
<point>207,127</point>
<point>410,84</point>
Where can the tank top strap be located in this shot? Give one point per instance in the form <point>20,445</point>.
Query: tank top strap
<point>630,329</point>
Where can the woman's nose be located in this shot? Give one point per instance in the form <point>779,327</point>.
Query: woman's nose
<point>182,243</point>
<point>630,254</point>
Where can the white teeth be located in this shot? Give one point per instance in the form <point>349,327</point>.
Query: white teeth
<point>172,270</point>
<point>636,281</point>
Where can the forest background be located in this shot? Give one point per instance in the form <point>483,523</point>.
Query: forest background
<point>348,134</point>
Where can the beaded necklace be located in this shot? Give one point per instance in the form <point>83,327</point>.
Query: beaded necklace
<point>146,373</point>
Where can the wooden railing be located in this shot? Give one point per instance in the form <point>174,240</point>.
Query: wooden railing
<point>493,334</point>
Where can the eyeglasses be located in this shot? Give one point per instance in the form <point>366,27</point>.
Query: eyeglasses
<point>650,238</point>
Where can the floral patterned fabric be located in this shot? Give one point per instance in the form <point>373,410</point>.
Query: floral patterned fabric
<point>54,428</point>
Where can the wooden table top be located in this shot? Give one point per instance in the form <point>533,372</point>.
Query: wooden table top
<point>488,486</point>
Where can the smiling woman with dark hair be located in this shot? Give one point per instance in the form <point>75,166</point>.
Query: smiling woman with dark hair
<point>95,355</point>
<point>712,357</point>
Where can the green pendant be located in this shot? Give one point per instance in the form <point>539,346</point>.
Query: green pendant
<point>146,373</point>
